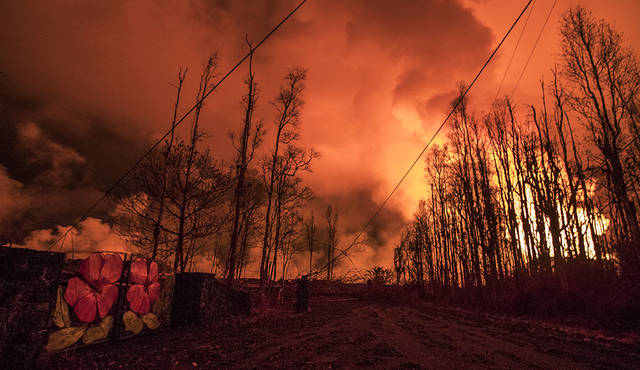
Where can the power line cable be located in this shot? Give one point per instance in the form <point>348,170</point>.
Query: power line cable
<point>177,123</point>
<point>544,25</point>
<point>341,251</point>
<point>515,49</point>
<point>455,106</point>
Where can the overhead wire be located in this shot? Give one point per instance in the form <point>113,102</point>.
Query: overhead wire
<point>515,49</point>
<point>533,49</point>
<point>341,251</point>
<point>176,124</point>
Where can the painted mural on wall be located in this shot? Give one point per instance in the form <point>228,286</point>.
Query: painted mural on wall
<point>106,292</point>
<point>143,292</point>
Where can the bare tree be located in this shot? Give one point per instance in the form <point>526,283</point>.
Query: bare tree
<point>249,139</point>
<point>185,181</point>
<point>200,215</point>
<point>167,153</point>
<point>399,262</point>
<point>170,202</point>
<point>604,80</point>
<point>291,241</point>
<point>288,106</point>
<point>332,234</point>
<point>310,235</point>
<point>290,193</point>
<point>253,201</point>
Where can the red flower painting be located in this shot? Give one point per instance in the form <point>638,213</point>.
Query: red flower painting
<point>95,290</point>
<point>146,288</point>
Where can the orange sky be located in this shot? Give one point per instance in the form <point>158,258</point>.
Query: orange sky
<point>86,86</point>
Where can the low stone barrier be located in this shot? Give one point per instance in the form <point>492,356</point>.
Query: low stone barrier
<point>28,284</point>
<point>200,298</point>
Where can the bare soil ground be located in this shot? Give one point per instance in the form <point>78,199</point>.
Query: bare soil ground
<point>354,333</point>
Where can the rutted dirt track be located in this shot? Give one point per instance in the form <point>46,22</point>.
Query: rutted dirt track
<point>341,333</point>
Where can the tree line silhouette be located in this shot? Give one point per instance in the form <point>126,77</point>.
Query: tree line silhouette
<point>548,191</point>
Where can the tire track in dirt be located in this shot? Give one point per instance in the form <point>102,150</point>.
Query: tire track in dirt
<point>363,334</point>
<point>439,339</point>
<point>497,343</point>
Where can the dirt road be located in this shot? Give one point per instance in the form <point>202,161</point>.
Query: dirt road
<point>341,333</point>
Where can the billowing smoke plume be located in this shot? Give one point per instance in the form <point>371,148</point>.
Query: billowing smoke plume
<point>85,87</point>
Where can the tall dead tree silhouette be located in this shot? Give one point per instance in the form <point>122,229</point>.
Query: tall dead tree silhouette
<point>288,105</point>
<point>331,216</point>
<point>604,79</point>
<point>249,139</point>
<point>171,199</point>
<point>310,235</point>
